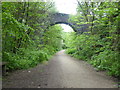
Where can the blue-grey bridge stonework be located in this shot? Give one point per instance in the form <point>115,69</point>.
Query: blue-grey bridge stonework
<point>61,18</point>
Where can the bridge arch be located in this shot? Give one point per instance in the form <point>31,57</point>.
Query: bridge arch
<point>61,18</point>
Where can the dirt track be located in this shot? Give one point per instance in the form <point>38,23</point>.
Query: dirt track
<point>62,71</point>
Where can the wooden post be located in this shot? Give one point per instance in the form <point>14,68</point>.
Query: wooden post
<point>3,65</point>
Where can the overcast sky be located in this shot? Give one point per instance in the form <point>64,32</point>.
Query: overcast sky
<point>66,6</point>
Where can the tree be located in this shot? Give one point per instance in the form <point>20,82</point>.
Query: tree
<point>100,44</point>
<point>26,41</point>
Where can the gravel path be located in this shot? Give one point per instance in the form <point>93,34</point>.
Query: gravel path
<point>62,71</point>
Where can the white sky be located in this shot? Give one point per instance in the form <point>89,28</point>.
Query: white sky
<point>68,7</point>
<point>66,28</point>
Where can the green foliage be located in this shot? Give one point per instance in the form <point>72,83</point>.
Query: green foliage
<point>24,58</point>
<point>97,52</point>
<point>27,40</point>
<point>53,38</point>
<point>100,45</point>
<point>71,51</point>
<point>107,60</point>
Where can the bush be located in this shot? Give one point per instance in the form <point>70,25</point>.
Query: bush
<point>107,60</point>
<point>24,59</point>
<point>99,52</point>
<point>71,50</point>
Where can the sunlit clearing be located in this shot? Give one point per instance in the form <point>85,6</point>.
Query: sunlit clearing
<point>66,6</point>
<point>66,28</point>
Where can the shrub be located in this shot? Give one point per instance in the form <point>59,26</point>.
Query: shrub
<point>107,60</point>
<point>24,59</point>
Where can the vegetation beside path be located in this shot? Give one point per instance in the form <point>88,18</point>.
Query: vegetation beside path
<point>28,38</point>
<point>25,42</point>
<point>100,46</point>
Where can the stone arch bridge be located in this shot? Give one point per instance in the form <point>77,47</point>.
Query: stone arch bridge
<point>61,18</point>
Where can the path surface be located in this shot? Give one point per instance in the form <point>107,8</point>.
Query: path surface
<point>62,71</point>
